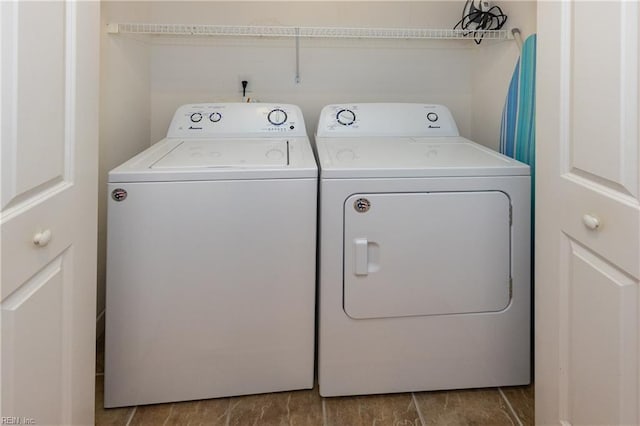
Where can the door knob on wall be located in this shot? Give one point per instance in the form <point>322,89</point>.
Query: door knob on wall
<point>591,222</point>
<point>41,239</point>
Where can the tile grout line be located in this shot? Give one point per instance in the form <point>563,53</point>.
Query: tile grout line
<point>324,413</point>
<point>168,415</point>
<point>229,408</point>
<point>510,407</point>
<point>133,413</point>
<point>415,402</point>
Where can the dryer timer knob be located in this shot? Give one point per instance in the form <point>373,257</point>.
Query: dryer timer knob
<point>346,117</point>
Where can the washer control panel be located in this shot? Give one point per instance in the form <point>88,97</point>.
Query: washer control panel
<point>386,119</point>
<point>236,119</point>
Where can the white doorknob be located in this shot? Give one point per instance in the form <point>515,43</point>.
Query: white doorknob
<point>41,239</point>
<point>591,221</point>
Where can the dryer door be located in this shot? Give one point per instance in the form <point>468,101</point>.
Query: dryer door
<point>434,253</point>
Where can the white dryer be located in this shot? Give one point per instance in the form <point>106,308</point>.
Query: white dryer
<point>211,259</point>
<point>424,254</point>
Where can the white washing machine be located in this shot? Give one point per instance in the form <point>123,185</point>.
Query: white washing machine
<point>424,254</point>
<point>211,259</point>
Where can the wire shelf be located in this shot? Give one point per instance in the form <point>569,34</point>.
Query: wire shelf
<point>315,32</point>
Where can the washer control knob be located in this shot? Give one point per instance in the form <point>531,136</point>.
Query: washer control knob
<point>432,117</point>
<point>277,117</point>
<point>346,117</point>
<point>215,117</point>
<point>196,117</point>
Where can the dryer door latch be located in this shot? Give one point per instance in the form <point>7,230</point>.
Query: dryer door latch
<point>361,258</point>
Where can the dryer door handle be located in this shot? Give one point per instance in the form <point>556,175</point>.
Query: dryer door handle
<point>361,246</point>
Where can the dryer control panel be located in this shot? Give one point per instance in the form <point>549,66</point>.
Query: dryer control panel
<point>386,119</point>
<point>208,120</point>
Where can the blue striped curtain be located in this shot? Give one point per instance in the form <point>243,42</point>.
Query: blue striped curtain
<point>517,130</point>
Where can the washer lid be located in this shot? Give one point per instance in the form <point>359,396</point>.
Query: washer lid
<point>224,153</point>
<point>178,159</point>
<point>412,157</point>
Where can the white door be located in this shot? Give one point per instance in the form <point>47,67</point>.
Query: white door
<point>587,214</point>
<point>49,109</point>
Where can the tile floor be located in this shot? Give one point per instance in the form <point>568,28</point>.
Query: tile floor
<point>495,407</point>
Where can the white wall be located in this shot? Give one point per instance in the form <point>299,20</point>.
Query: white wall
<point>144,80</point>
<point>331,70</point>
<point>124,110</point>
<point>493,65</point>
